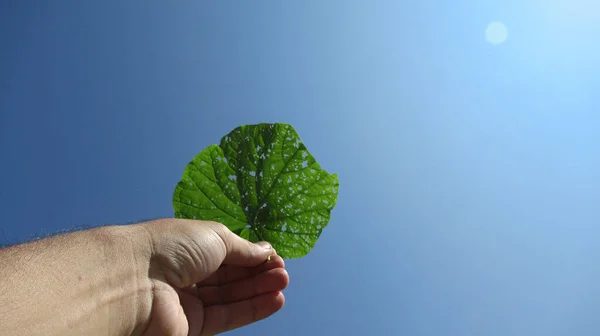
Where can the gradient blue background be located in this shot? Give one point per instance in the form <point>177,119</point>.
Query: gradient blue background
<point>469,173</point>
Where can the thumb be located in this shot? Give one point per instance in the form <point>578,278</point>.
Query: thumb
<point>187,251</point>
<point>241,252</point>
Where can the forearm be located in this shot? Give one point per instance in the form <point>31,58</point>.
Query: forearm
<point>82,283</point>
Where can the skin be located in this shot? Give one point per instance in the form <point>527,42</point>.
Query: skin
<point>162,277</point>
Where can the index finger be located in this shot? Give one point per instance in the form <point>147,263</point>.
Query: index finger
<point>229,273</point>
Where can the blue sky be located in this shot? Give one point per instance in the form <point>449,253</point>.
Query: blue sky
<point>469,172</point>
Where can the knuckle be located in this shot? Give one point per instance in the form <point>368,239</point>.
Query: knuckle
<point>218,226</point>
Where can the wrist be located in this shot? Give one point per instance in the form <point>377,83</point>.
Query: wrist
<point>129,260</point>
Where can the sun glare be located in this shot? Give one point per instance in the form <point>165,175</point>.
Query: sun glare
<point>496,33</point>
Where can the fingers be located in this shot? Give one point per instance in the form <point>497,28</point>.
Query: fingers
<point>241,252</point>
<point>270,281</point>
<point>230,273</point>
<point>185,252</point>
<point>221,318</point>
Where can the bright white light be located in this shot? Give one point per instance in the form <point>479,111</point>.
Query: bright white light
<point>496,33</point>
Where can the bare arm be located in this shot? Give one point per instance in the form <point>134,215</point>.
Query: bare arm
<point>72,284</point>
<point>164,277</point>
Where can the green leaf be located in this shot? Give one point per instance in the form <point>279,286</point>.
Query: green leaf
<point>264,185</point>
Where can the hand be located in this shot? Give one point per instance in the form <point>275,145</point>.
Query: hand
<point>206,280</point>
<point>163,277</point>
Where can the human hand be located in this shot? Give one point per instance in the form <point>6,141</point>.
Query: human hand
<point>205,280</point>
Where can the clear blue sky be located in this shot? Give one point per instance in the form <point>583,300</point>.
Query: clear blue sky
<point>469,198</point>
